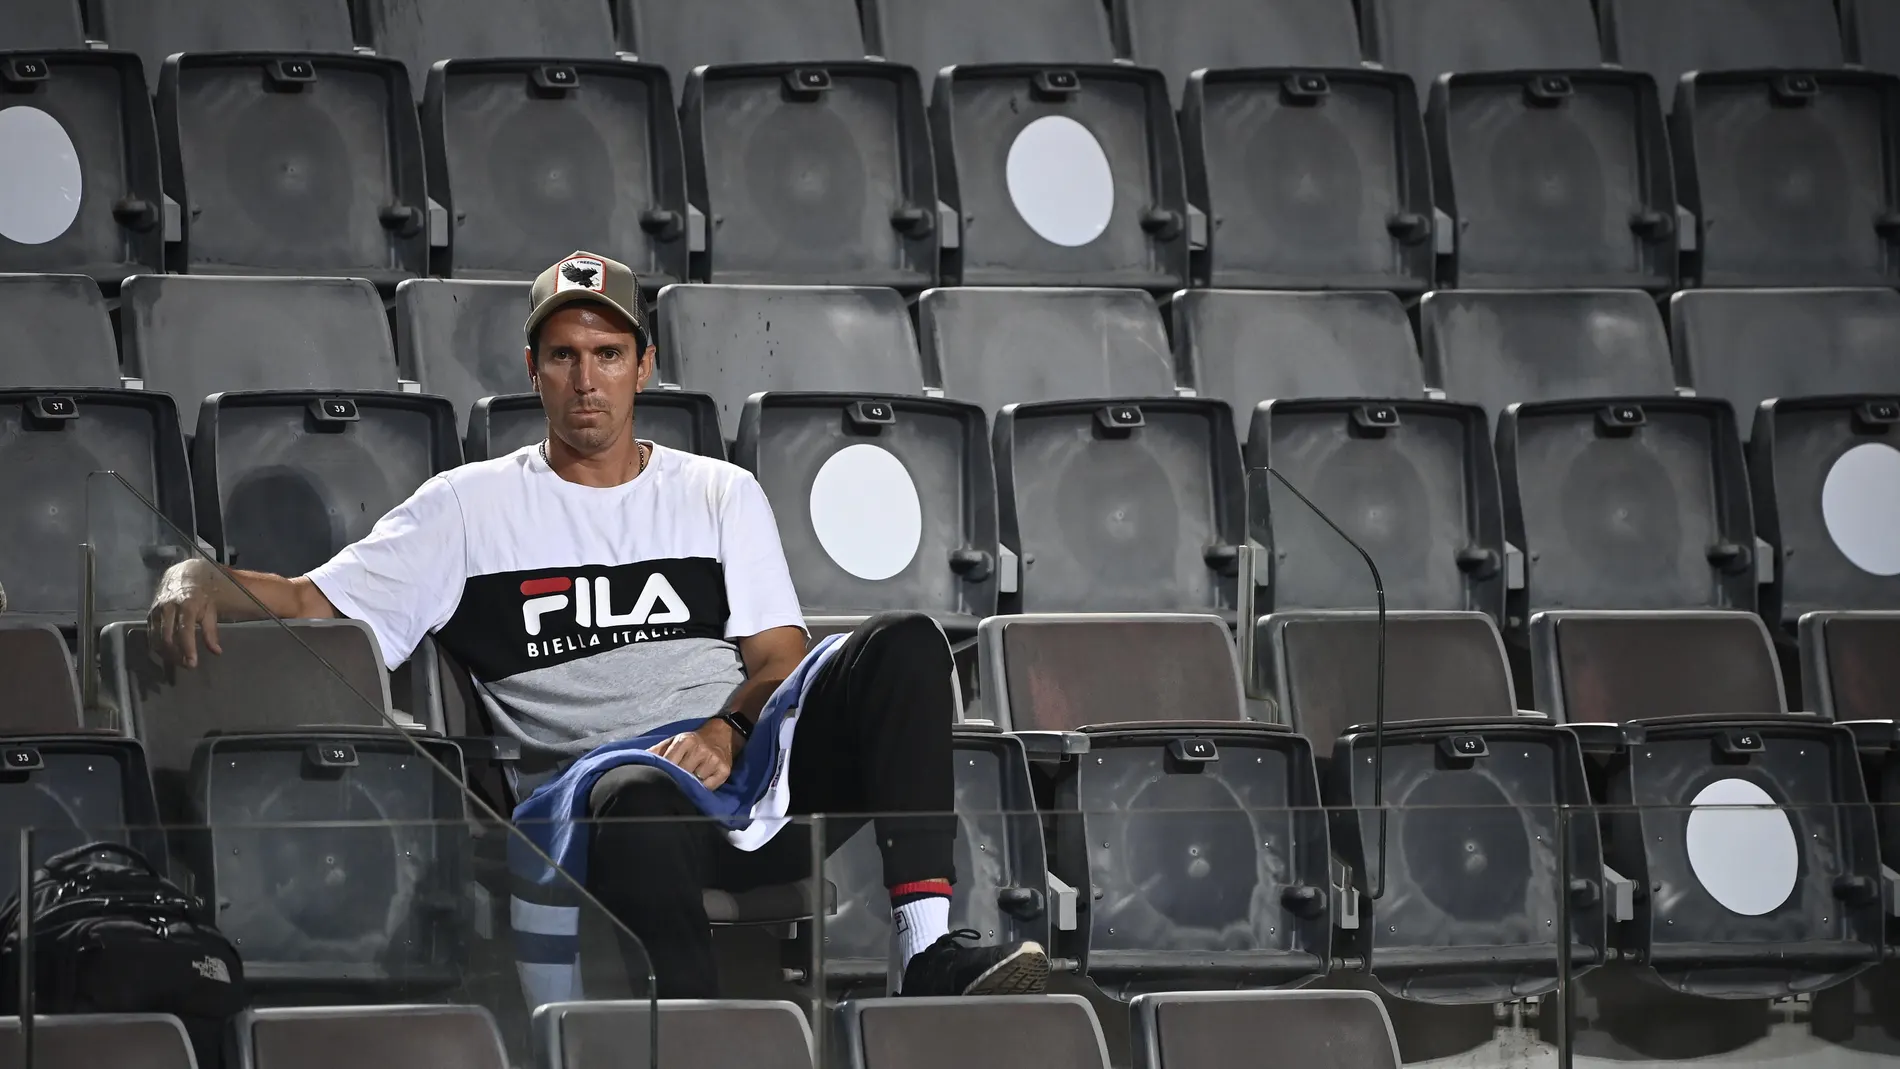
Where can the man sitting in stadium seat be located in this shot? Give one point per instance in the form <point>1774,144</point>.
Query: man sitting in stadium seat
<point>627,609</point>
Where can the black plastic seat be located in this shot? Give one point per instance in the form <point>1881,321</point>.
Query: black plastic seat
<point>422,33</point>
<point>677,419</point>
<point>1791,176</point>
<point>1750,346</point>
<point>1555,178</point>
<point>1245,347</point>
<point>294,164</point>
<point>38,669</point>
<point>1754,821</point>
<point>1495,348</point>
<point>929,36</point>
<point>51,444</point>
<point>683,34</point>
<point>1848,671</point>
<point>1871,31</point>
<point>735,341</point>
<point>533,158</point>
<point>1061,176</point>
<point>462,340</point>
<point>157,29</point>
<point>1038,1032</point>
<point>1197,829</point>
<point>593,1035</point>
<point>1467,913</point>
<point>284,479</point>
<point>85,1041</point>
<point>1669,40</point>
<point>58,333</point>
<point>1121,505</point>
<point>813,174</point>
<point>1212,1029</point>
<point>82,169</point>
<point>882,502</point>
<point>1183,36</point>
<point>42,24</point>
<point>997,346</point>
<point>191,337</point>
<point>1310,177</point>
<point>1427,38</point>
<point>420,1037</point>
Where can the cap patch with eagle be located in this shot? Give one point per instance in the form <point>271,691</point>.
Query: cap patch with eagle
<point>586,276</point>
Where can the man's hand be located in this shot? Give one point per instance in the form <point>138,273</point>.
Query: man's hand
<point>706,752</point>
<point>186,600</point>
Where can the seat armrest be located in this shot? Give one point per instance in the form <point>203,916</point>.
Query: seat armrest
<point>1053,745</point>
<point>492,748</point>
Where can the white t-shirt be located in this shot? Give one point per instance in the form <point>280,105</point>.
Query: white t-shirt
<point>587,614</point>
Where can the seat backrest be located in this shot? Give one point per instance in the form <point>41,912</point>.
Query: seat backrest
<point>91,1040</point>
<point>1063,672</point>
<point>1848,671</point>
<point>414,1037</point>
<point>1747,346</point>
<point>191,337</point>
<point>41,24</point>
<point>1871,31</point>
<point>734,341</point>
<point>1183,36</point>
<point>682,34</point>
<point>596,1035</point>
<point>1672,39</point>
<point>1000,346</point>
<point>423,32</point>
<point>1494,348</point>
<point>156,29</point>
<point>462,340</point>
<point>1311,1029</point>
<point>58,333</point>
<point>1611,668</point>
<point>1246,347</point>
<point>930,36</point>
<point>43,695</point>
<point>1043,1032</point>
<point>1427,38</point>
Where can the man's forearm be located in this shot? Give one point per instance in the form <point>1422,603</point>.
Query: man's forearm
<point>239,594</point>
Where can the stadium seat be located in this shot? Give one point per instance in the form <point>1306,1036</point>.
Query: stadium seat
<point>1121,505</point>
<point>1790,175</point>
<point>1216,1029</point>
<point>1555,179</point>
<point>533,158</point>
<point>157,29</point>
<point>1848,673</point>
<point>1669,40</point>
<point>58,333</point>
<point>1309,178</point>
<point>1495,348</point>
<point>80,177</point>
<point>1043,1032</point>
<point>1427,38</point>
<point>462,340</point>
<point>929,36</point>
<point>1206,867</point>
<point>1184,36</point>
<point>735,341</point>
<point>1061,176</point>
<point>41,25</point>
<point>88,1041</point>
<point>882,502</point>
<point>1749,346</point>
<point>997,346</point>
<point>1871,31</point>
<point>1754,821</point>
<point>707,1033</point>
<point>294,164</point>
<point>327,839</point>
<point>1412,481</point>
<point>1245,347</point>
<point>191,337</point>
<point>1627,503</point>
<point>39,673</point>
<point>51,443</point>
<point>677,419</point>
<point>1826,489</point>
<point>683,34</point>
<point>284,479</point>
<point>813,173</point>
<point>422,33</point>
<point>1459,909</point>
<point>370,1037</point>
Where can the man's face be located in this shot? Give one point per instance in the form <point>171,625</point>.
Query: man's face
<point>588,373</point>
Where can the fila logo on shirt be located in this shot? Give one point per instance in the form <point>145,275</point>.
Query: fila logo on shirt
<point>593,603</point>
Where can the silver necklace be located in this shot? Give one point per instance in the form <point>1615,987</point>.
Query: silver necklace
<point>644,454</point>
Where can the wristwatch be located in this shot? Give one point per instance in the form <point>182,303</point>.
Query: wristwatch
<point>736,723</point>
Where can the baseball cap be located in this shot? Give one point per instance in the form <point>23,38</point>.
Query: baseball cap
<point>588,276</point>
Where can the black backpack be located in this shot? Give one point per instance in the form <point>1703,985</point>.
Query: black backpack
<point>112,935</point>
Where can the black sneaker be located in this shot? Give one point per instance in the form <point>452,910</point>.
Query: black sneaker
<point>948,967</point>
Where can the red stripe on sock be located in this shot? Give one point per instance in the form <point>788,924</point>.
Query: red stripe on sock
<point>922,887</point>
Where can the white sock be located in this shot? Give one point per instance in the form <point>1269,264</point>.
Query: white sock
<point>914,926</point>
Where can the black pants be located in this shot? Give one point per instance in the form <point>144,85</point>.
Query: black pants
<point>873,737</point>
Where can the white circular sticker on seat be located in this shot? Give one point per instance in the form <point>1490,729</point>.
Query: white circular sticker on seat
<point>1746,858</point>
<point>40,182</point>
<point>865,511</point>
<point>1860,503</point>
<point>1060,182</point>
